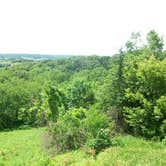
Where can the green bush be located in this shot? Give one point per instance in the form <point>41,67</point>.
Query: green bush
<point>101,141</point>
<point>80,94</point>
<point>6,121</point>
<point>68,133</point>
<point>96,120</point>
<point>80,127</point>
<point>144,106</point>
<point>99,128</point>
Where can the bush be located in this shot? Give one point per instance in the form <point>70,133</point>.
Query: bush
<point>95,120</point>
<point>80,94</point>
<point>99,128</point>
<point>6,121</point>
<point>67,133</point>
<point>144,104</point>
<point>80,127</point>
<point>101,141</point>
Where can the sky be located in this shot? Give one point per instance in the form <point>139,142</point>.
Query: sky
<point>76,27</point>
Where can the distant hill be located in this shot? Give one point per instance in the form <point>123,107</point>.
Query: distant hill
<point>31,56</point>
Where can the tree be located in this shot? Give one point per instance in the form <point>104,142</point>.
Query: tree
<point>145,95</point>
<point>155,43</point>
<point>56,101</point>
<point>80,94</point>
<point>133,43</point>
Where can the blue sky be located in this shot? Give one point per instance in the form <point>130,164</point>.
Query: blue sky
<point>76,26</point>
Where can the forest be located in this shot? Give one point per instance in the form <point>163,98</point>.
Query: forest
<point>88,106</point>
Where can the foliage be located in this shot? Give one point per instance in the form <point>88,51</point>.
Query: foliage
<point>134,43</point>
<point>99,128</point>
<point>101,141</point>
<point>95,121</point>
<point>39,112</point>
<point>56,101</point>
<point>67,132</point>
<point>80,98</point>
<point>33,92</point>
<point>144,103</point>
<point>83,126</point>
<point>80,94</point>
<point>85,101</point>
<point>155,43</point>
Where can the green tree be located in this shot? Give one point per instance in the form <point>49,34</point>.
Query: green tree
<point>56,101</point>
<point>80,94</point>
<point>145,92</point>
<point>155,43</point>
<point>133,44</point>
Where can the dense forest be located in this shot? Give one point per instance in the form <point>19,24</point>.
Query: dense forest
<point>84,101</point>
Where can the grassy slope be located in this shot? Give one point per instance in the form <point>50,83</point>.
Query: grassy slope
<point>130,152</point>
<point>23,147</point>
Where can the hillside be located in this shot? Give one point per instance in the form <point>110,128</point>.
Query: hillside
<point>92,110</point>
<point>25,147</point>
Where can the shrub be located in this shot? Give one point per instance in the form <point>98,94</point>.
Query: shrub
<point>96,120</point>
<point>6,121</point>
<point>99,128</point>
<point>164,140</point>
<point>67,133</point>
<point>163,129</point>
<point>80,127</point>
<point>144,104</point>
<point>80,94</point>
<point>101,141</point>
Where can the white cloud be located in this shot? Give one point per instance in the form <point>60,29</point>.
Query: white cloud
<point>75,26</point>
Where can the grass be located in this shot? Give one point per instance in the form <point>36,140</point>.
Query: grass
<point>23,147</point>
<point>129,151</point>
